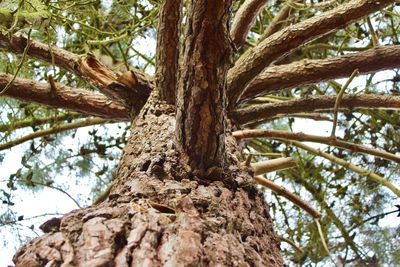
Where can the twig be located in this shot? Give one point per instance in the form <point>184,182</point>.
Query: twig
<point>374,37</point>
<point>55,188</point>
<point>28,43</point>
<point>378,216</point>
<point>339,99</point>
<point>290,242</point>
<point>321,234</point>
<point>39,121</point>
<point>279,20</point>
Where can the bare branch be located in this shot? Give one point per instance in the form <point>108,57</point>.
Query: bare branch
<point>259,113</point>
<point>288,195</point>
<point>300,73</point>
<point>168,49</point>
<point>254,60</point>
<point>355,148</point>
<point>53,130</point>
<point>244,20</point>
<point>80,100</point>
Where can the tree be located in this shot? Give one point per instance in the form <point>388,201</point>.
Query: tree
<point>182,194</point>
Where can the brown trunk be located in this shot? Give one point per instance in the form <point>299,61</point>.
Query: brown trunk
<point>160,211</point>
<point>201,118</point>
<point>158,214</point>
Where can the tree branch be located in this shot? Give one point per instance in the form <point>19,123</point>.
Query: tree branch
<point>254,60</point>
<point>34,122</point>
<point>168,49</point>
<point>244,20</point>
<point>355,148</point>
<point>131,88</point>
<point>280,190</point>
<point>292,244</point>
<point>62,58</point>
<point>304,72</point>
<point>259,113</point>
<point>80,100</point>
<point>272,165</point>
<point>54,130</point>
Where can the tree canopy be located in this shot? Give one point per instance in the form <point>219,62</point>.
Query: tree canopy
<point>66,65</point>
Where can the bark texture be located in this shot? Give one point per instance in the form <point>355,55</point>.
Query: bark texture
<point>201,118</point>
<point>168,49</point>
<point>159,215</point>
<point>244,20</point>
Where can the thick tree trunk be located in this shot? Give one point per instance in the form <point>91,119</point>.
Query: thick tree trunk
<point>181,196</point>
<point>159,214</point>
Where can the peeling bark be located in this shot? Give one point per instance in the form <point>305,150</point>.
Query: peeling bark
<point>201,118</point>
<point>133,94</point>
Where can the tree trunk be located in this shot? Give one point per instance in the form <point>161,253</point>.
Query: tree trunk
<point>181,196</point>
<point>159,214</point>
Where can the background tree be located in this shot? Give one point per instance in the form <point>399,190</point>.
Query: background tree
<point>68,65</point>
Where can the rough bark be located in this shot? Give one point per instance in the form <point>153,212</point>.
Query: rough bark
<point>167,56</point>
<point>259,113</point>
<point>244,20</point>
<point>62,96</point>
<point>277,78</point>
<point>157,214</point>
<point>201,118</point>
<point>254,60</point>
